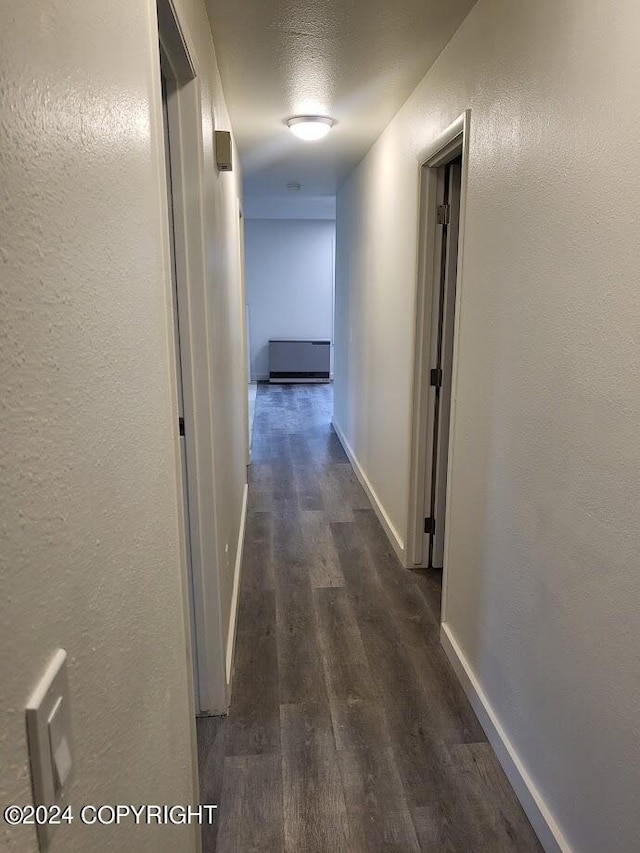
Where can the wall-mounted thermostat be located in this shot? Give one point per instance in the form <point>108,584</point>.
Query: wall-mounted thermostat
<point>224,157</point>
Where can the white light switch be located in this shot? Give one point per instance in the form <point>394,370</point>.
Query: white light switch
<point>50,742</point>
<point>59,745</point>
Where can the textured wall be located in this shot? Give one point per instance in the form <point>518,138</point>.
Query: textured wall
<point>289,272</point>
<point>545,508</point>
<point>90,557</point>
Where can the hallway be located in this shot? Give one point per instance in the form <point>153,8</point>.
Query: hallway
<point>348,730</point>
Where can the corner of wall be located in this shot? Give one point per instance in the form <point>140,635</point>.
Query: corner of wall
<point>394,537</point>
<point>530,798</point>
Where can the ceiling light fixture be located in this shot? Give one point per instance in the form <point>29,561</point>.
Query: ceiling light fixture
<point>310,128</point>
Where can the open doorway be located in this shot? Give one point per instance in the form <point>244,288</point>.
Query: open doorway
<point>440,372</point>
<point>290,292</point>
<point>169,90</point>
<point>442,176</point>
<point>181,134</point>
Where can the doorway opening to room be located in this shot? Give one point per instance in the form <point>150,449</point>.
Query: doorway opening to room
<point>289,274</point>
<point>442,177</point>
<point>170,79</point>
<point>181,130</point>
<point>440,372</point>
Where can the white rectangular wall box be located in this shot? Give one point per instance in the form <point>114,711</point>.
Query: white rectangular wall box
<point>50,742</point>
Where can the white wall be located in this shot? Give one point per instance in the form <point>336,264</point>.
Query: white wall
<point>88,466</point>
<point>545,508</point>
<point>290,206</point>
<point>289,281</point>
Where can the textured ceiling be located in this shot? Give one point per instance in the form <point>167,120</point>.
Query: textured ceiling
<point>354,60</point>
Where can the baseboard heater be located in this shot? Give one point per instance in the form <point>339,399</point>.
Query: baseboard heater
<point>299,361</point>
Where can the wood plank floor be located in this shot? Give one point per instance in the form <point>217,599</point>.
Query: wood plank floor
<point>348,730</point>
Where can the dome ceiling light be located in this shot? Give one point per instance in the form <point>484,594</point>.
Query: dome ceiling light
<point>310,128</point>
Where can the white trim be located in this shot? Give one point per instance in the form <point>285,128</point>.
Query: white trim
<point>187,170</point>
<point>166,25</point>
<point>532,801</point>
<point>246,344</point>
<point>453,140</point>
<point>233,616</point>
<point>465,120</point>
<point>436,153</point>
<point>385,521</point>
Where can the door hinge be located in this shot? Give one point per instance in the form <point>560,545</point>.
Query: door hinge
<point>435,377</point>
<point>430,525</point>
<point>444,214</point>
<point>181,425</point>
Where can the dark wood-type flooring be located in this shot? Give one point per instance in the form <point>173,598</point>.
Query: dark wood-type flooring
<point>348,731</point>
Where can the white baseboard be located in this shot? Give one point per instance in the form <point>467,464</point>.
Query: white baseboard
<point>385,521</point>
<point>531,799</point>
<point>231,637</point>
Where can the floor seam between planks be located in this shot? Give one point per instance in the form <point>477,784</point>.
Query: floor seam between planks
<point>348,731</point>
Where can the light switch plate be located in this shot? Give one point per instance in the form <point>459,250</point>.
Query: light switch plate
<point>50,742</point>
<point>224,151</point>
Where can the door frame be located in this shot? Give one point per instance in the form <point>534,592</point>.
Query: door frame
<point>246,343</point>
<point>442,327</point>
<point>184,107</point>
<point>451,143</point>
